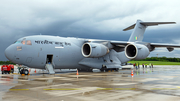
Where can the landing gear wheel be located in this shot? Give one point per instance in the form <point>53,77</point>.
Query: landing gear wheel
<point>26,72</point>
<point>106,70</point>
<point>102,70</point>
<point>85,70</point>
<point>12,71</point>
<point>21,72</point>
<point>111,70</point>
<point>117,69</point>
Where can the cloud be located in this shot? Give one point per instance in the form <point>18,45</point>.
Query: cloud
<point>100,19</point>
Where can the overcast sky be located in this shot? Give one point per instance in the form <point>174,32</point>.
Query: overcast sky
<point>99,19</point>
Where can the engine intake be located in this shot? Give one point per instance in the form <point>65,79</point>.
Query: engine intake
<point>136,51</point>
<point>94,50</point>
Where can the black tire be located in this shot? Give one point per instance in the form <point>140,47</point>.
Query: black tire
<point>106,70</point>
<point>2,72</point>
<point>102,70</point>
<point>21,72</point>
<point>26,72</point>
<point>117,69</point>
<point>85,70</point>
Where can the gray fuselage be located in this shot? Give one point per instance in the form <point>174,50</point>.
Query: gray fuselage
<point>65,52</point>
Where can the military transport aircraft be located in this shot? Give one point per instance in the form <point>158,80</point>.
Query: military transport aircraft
<point>54,52</point>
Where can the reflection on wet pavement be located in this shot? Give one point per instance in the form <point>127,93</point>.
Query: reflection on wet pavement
<point>159,83</point>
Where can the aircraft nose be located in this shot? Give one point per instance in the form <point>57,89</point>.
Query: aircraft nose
<point>9,53</point>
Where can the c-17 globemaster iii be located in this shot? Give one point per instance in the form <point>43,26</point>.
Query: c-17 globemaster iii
<point>54,52</point>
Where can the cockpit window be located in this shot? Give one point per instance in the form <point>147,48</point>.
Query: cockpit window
<point>28,42</point>
<point>23,42</point>
<point>17,42</point>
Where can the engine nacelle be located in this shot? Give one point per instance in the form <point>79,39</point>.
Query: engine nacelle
<point>94,50</point>
<point>136,51</point>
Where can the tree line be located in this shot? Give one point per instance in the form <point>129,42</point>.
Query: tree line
<point>164,59</point>
<point>5,62</point>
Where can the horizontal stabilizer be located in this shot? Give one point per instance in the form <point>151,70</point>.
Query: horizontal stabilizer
<point>130,27</point>
<point>155,23</point>
<point>148,24</point>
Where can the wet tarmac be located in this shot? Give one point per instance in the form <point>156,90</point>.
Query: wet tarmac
<point>161,83</point>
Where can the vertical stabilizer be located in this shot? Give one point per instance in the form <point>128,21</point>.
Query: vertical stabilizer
<point>138,33</point>
<point>139,29</point>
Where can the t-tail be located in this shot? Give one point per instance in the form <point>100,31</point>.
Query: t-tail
<point>139,29</point>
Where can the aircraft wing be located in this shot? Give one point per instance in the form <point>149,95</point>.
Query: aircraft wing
<point>116,43</point>
<point>152,44</point>
<point>119,42</point>
<point>170,47</point>
<point>165,45</point>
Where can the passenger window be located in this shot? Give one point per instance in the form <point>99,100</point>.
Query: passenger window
<point>19,48</point>
<point>23,42</point>
<point>28,42</point>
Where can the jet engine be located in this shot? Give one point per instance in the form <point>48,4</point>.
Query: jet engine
<point>94,50</point>
<point>136,51</point>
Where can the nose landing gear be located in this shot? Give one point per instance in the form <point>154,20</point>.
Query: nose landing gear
<point>24,71</point>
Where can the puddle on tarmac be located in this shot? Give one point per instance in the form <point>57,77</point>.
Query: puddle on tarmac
<point>146,80</point>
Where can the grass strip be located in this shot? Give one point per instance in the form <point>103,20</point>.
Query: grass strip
<point>155,62</point>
